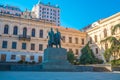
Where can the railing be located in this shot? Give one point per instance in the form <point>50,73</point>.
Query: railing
<point>24,37</point>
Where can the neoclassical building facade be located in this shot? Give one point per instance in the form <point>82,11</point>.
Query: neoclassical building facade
<point>22,38</point>
<point>25,37</point>
<point>99,31</point>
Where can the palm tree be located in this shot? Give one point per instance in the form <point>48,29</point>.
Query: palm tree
<point>114,49</point>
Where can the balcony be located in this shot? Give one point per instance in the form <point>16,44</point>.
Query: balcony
<point>24,37</point>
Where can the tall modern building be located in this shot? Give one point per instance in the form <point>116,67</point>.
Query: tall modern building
<point>47,12</point>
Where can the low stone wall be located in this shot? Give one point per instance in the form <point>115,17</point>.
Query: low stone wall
<point>115,68</point>
<point>102,68</point>
<point>38,67</point>
<point>20,67</point>
<point>84,68</point>
<point>5,67</point>
<point>25,67</point>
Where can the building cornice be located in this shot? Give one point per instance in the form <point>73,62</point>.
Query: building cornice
<point>25,20</point>
<point>109,18</point>
<point>103,21</point>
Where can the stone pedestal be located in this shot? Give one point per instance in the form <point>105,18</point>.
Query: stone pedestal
<point>56,59</point>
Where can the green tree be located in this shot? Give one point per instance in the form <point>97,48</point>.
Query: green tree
<point>70,57</point>
<point>115,45</point>
<point>88,57</point>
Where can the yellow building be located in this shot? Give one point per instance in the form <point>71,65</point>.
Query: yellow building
<point>99,31</point>
<point>24,38</point>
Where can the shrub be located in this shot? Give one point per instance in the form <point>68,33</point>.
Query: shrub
<point>33,62</point>
<point>70,57</point>
<point>26,62</point>
<point>88,57</point>
<point>98,61</point>
<point>115,62</point>
<point>76,62</point>
<point>21,62</point>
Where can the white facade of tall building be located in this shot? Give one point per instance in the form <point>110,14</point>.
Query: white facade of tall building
<point>47,12</point>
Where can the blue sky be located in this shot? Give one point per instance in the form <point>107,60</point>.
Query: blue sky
<point>75,13</point>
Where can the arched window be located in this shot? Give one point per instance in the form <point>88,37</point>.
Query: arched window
<point>95,38</point>
<point>33,33</point>
<point>96,49</point>
<point>41,34</point>
<point>15,30</point>
<point>76,40</point>
<point>90,40</point>
<point>111,30</point>
<point>6,28</point>
<point>24,31</point>
<point>105,33</point>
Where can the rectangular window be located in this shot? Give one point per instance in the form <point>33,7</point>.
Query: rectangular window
<point>23,57</point>
<point>77,52</point>
<point>31,57</point>
<point>63,39</point>
<point>4,44</point>
<point>32,46</point>
<point>70,39</point>
<point>40,47</point>
<point>70,50</point>
<point>82,41</point>
<point>96,49</point>
<point>3,57</point>
<point>33,33</point>
<point>13,57</point>
<point>76,40</point>
<point>23,45</point>
<point>14,44</point>
<point>40,59</point>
